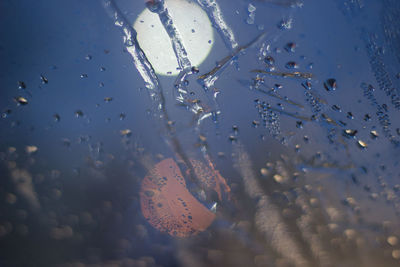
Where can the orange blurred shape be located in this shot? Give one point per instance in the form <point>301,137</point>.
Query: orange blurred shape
<point>167,204</point>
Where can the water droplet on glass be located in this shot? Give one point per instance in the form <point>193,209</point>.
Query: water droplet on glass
<point>31,149</point>
<point>362,144</point>
<point>264,172</point>
<point>235,129</point>
<point>195,69</point>
<point>349,133</point>
<point>255,123</point>
<point>56,117</point>
<point>84,75</point>
<point>350,115</point>
<point>250,19</point>
<point>78,113</point>
<point>232,138</point>
<point>44,79</point>
<point>88,57</point>
<point>21,85</point>
<point>392,240</point>
<point>374,134</point>
<point>285,24</point>
<point>102,69</point>
<point>291,65</point>
<point>251,8</point>
<point>330,84</point>
<point>336,108</point>
<point>126,132</point>
<point>122,116</point>
<point>108,99</point>
<point>279,178</point>
<point>290,47</point>
<point>307,85</point>
<point>396,254</point>
<point>6,113</point>
<point>21,100</point>
<point>101,84</point>
<point>367,117</point>
<point>299,124</point>
<point>269,60</point>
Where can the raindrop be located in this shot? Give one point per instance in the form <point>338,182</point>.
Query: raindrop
<point>88,57</point>
<point>255,123</point>
<point>56,117</point>
<point>250,19</point>
<point>84,75</point>
<point>291,65</point>
<point>367,117</point>
<point>299,124</point>
<point>269,60</point>
<point>102,69</point>
<point>21,85</point>
<point>232,138</point>
<point>396,254</point>
<point>122,116</point>
<point>349,133</point>
<point>306,139</point>
<point>235,129</point>
<point>285,24</point>
<point>195,70</point>
<point>126,132</point>
<point>6,113</point>
<point>264,172</point>
<point>297,148</point>
<point>362,144</point>
<point>108,99</point>
<point>374,134</point>
<point>330,84</point>
<point>21,100</point>
<point>279,178</point>
<point>44,79</point>
<point>290,47</point>
<point>78,113</point>
<point>336,108</point>
<point>251,8</point>
<point>101,84</point>
<point>31,149</point>
<point>350,115</point>
<point>392,240</point>
<point>307,85</point>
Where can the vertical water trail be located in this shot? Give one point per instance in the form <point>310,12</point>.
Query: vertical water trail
<point>159,7</point>
<point>180,87</point>
<point>151,80</point>
<point>267,219</point>
<point>140,60</point>
<point>213,11</point>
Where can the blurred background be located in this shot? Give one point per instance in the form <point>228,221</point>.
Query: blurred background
<point>305,130</point>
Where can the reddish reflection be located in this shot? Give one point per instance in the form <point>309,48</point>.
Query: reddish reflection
<point>167,204</point>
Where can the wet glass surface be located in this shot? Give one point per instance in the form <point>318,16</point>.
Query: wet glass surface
<point>272,139</point>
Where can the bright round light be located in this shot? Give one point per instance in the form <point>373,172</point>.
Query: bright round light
<point>194,28</point>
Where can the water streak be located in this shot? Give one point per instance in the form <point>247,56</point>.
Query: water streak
<point>159,7</point>
<point>268,219</point>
